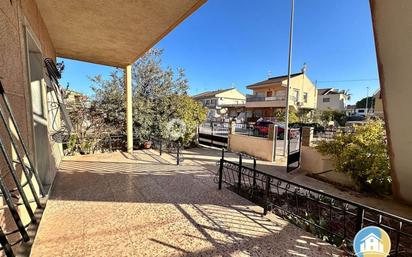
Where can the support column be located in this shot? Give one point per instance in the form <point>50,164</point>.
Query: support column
<point>129,116</point>
<point>392,30</point>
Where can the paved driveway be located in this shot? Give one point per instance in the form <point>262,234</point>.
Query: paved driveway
<point>142,205</point>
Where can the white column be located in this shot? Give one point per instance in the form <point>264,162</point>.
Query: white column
<point>129,116</point>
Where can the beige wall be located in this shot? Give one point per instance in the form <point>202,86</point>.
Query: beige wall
<point>262,148</point>
<point>300,83</point>
<point>336,102</point>
<point>315,163</point>
<point>15,17</point>
<point>378,108</point>
<point>392,29</point>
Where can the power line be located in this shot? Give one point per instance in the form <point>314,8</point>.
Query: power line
<point>347,80</point>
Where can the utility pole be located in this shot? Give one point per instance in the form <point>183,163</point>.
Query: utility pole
<point>286,130</point>
<point>367,96</point>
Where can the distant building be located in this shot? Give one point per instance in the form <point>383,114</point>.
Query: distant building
<point>378,105</point>
<point>75,98</point>
<point>350,109</point>
<point>270,95</point>
<point>219,101</point>
<point>332,99</point>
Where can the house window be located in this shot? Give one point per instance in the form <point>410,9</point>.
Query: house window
<point>269,93</point>
<point>326,100</point>
<point>297,95</point>
<point>213,101</point>
<point>305,97</point>
<point>207,101</point>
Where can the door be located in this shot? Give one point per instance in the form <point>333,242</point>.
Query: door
<point>39,110</point>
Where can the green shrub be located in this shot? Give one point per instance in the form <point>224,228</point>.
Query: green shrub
<point>363,155</point>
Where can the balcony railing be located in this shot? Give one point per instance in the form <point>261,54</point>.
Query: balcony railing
<point>265,98</point>
<point>331,218</point>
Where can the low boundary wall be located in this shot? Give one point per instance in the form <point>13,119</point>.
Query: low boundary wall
<point>262,148</point>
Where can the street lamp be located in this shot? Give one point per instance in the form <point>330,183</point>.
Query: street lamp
<point>286,130</point>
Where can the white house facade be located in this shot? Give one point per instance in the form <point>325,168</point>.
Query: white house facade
<point>332,99</point>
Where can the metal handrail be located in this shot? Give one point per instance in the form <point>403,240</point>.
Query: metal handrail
<point>283,197</point>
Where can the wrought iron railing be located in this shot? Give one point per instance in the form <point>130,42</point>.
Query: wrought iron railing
<point>173,148</point>
<point>254,98</point>
<point>329,217</point>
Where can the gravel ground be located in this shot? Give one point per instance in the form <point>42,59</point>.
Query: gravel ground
<point>142,205</point>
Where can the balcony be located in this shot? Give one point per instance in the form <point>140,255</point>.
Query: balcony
<point>264,101</point>
<point>141,204</point>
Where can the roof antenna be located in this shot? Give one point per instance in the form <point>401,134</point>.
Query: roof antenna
<point>304,68</point>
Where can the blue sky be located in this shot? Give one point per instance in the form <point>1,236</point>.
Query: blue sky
<point>238,42</point>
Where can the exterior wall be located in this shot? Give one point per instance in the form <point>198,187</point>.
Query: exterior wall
<point>216,104</point>
<point>15,17</point>
<point>378,108</point>
<point>231,97</point>
<point>314,162</point>
<point>303,84</point>
<point>392,29</point>
<point>268,104</point>
<point>336,102</point>
<point>300,84</point>
<point>262,148</point>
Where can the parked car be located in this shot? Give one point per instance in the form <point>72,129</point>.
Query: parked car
<point>262,128</point>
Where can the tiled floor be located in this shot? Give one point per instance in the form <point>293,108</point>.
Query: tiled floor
<point>142,205</point>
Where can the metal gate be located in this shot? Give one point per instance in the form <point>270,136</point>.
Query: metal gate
<point>294,149</point>
<point>212,140</point>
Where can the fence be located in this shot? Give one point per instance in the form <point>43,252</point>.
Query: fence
<point>222,129</point>
<point>331,218</point>
<point>92,143</point>
<point>328,134</point>
<point>173,148</point>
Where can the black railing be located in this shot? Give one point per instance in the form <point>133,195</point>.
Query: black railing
<point>331,218</point>
<point>173,148</point>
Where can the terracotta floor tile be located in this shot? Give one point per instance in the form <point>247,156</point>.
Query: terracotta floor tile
<point>139,205</point>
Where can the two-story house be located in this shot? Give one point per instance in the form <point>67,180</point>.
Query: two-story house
<point>332,99</point>
<point>218,101</point>
<point>270,95</point>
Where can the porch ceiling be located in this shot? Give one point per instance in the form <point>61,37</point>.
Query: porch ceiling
<point>111,32</point>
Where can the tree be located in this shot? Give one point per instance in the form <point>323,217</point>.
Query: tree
<point>280,116</point>
<point>305,115</point>
<point>362,103</point>
<point>89,125</point>
<point>363,155</point>
<point>159,95</point>
<point>108,101</point>
<point>191,112</point>
<point>333,115</point>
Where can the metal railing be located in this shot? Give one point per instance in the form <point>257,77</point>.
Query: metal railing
<point>222,129</point>
<point>99,142</point>
<point>329,217</point>
<point>173,148</point>
<point>264,98</point>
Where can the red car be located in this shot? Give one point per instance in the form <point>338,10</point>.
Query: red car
<point>262,128</point>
